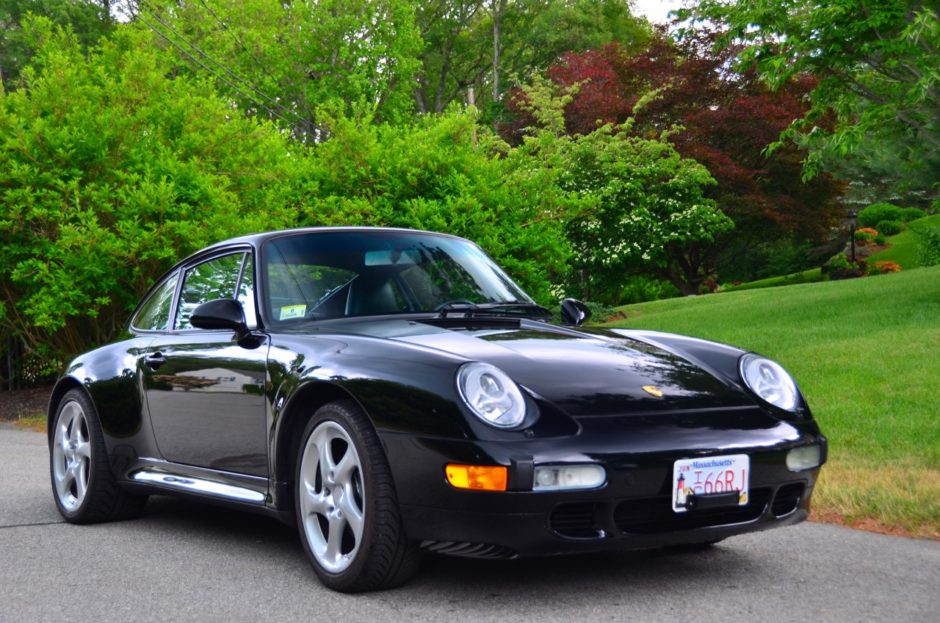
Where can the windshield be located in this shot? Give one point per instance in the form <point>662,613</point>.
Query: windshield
<point>333,274</point>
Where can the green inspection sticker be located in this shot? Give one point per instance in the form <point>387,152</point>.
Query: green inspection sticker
<point>293,311</point>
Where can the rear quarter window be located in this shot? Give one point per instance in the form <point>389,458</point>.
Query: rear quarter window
<point>154,313</point>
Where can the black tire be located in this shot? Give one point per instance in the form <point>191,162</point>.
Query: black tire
<point>347,510</point>
<point>83,486</point>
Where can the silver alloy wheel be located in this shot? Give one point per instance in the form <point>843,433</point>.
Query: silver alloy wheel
<point>71,456</point>
<point>332,496</point>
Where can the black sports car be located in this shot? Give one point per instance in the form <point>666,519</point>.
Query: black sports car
<point>393,391</point>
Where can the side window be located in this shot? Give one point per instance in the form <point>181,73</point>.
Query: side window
<point>215,279</point>
<point>154,314</point>
<point>246,291</point>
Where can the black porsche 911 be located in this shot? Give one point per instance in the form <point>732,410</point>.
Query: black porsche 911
<point>393,392</point>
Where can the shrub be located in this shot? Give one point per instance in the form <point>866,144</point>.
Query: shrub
<point>444,174</point>
<point>911,214</point>
<point>880,239</point>
<point>865,234</point>
<point>601,312</point>
<point>641,288</point>
<point>884,266</point>
<point>110,170</point>
<point>839,267</point>
<point>876,212</point>
<point>890,228</point>
<point>928,239</point>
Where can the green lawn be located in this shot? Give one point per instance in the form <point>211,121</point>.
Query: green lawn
<point>866,353</point>
<point>903,249</point>
<point>807,276</point>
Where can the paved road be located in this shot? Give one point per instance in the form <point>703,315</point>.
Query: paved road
<point>191,562</point>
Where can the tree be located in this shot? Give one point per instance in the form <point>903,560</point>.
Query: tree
<point>652,214</point>
<point>601,97</point>
<point>443,173</point>
<point>111,169</point>
<point>454,58</point>
<point>643,207</point>
<point>876,64</point>
<point>461,46</point>
<point>89,20</point>
<point>723,119</point>
<point>294,61</point>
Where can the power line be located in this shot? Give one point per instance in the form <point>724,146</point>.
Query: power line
<point>214,73</point>
<point>231,32</point>
<point>206,56</point>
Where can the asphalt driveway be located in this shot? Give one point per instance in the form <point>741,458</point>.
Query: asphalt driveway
<point>184,561</point>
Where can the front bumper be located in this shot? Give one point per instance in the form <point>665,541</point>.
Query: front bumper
<point>631,511</point>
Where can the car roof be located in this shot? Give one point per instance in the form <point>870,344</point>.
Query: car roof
<point>256,240</point>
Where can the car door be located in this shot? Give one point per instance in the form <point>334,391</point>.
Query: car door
<point>205,392</point>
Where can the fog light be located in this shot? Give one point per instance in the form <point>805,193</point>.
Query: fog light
<point>477,477</point>
<point>556,477</point>
<point>805,457</point>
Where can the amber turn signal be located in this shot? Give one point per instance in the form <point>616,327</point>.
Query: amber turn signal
<point>477,477</point>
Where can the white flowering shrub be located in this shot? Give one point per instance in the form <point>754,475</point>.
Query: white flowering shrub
<point>650,213</point>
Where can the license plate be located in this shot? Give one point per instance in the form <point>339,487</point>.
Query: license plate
<point>708,476</point>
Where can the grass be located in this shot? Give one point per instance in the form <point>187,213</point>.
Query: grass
<point>807,276</point>
<point>35,422</point>
<point>865,353</point>
<point>903,249</point>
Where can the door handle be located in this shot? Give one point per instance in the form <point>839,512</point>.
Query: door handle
<point>155,360</point>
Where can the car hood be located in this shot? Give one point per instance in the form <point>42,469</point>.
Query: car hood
<point>584,373</point>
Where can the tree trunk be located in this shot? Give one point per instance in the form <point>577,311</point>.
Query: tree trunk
<point>499,7</point>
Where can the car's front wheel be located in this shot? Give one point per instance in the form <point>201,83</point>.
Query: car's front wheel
<point>83,486</point>
<point>347,510</point>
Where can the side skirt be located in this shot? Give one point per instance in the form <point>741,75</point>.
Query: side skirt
<point>240,491</point>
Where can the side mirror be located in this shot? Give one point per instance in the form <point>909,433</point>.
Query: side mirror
<point>574,312</point>
<point>220,314</point>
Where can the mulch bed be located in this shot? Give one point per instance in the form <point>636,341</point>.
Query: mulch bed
<point>23,402</point>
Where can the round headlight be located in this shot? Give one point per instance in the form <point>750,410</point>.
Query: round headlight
<point>491,394</point>
<point>769,381</point>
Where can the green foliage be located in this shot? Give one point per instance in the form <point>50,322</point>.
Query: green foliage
<point>840,267</point>
<point>445,174</point>
<point>651,213</point>
<point>889,228</point>
<point>290,60</point>
<point>904,248</point>
<point>459,41</point>
<point>741,259</point>
<point>643,208</point>
<point>88,20</point>
<point>911,214</point>
<point>878,89</point>
<point>928,239</point>
<point>806,276</point>
<point>642,288</point>
<point>110,170</point>
<point>877,212</point>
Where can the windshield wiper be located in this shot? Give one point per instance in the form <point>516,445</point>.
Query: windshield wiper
<point>499,308</point>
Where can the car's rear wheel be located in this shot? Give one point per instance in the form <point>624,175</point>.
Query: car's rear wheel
<point>83,486</point>
<point>347,510</point>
